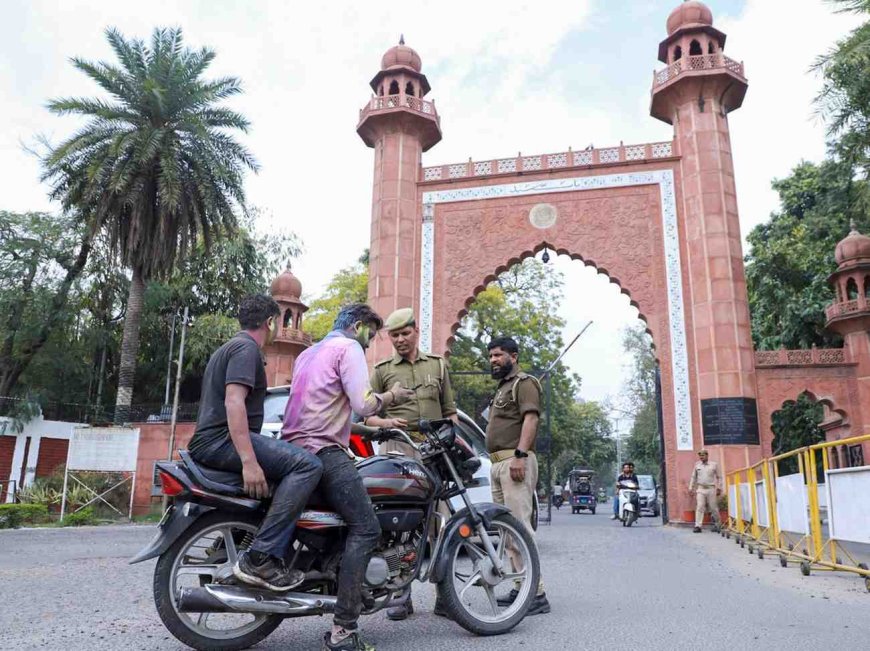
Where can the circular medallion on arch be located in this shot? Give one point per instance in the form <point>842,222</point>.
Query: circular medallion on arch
<point>543,215</point>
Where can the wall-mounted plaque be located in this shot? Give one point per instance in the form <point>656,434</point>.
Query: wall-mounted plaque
<point>730,421</point>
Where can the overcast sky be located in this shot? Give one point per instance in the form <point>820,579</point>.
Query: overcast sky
<point>507,77</point>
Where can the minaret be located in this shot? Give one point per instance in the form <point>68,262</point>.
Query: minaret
<point>399,125</point>
<point>291,340</point>
<point>849,315</point>
<point>695,93</point>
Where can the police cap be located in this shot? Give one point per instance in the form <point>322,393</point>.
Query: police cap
<point>399,319</point>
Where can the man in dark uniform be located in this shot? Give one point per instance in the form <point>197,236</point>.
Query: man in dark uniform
<point>426,374</point>
<point>510,440</point>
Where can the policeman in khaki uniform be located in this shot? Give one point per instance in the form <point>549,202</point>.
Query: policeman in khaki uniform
<point>706,485</point>
<point>510,440</point>
<point>427,376</point>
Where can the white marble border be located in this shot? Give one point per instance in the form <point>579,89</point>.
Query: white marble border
<point>673,267</point>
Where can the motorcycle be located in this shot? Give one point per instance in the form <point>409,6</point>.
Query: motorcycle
<point>558,500</point>
<point>629,502</point>
<point>472,559</point>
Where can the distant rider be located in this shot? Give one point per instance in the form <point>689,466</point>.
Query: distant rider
<point>627,475</point>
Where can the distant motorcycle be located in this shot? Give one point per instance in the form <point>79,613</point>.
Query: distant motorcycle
<point>629,502</point>
<point>558,501</point>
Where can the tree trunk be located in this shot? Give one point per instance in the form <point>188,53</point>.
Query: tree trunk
<point>129,348</point>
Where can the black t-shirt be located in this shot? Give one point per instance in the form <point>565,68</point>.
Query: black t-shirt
<point>238,361</point>
<point>631,477</point>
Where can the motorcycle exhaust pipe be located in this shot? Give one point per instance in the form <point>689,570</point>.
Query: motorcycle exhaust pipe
<point>238,599</point>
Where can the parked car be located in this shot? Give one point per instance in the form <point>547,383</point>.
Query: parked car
<point>649,495</point>
<point>479,491</point>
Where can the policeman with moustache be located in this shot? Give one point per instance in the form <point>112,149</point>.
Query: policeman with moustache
<point>426,375</point>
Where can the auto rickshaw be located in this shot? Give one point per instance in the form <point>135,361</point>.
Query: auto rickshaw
<point>582,484</point>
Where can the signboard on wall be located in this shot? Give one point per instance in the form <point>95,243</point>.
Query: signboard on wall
<point>106,449</point>
<point>730,421</point>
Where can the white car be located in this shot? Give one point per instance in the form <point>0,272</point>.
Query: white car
<point>276,402</point>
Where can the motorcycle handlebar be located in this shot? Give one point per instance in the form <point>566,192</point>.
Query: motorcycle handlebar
<point>381,434</point>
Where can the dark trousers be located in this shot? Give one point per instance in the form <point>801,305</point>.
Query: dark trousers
<point>294,470</point>
<point>342,488</point>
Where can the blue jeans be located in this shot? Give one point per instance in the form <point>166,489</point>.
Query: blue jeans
<point>294,470</point>
<point>343,489</point>
<point>616,504</point>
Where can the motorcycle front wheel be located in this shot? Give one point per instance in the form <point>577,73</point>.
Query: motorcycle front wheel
<point>204,554</point>
<point>472,587</point>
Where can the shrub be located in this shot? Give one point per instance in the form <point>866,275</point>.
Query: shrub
<point>79,518</point>
<point>39,493</point>
<point>14,515</point>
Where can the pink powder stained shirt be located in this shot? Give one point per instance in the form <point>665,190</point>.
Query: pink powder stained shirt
<point>330,381</point>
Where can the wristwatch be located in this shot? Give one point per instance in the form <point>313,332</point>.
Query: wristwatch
<point>519,454</point>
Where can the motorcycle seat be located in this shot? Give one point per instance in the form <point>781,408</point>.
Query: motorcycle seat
<point>227,482</point>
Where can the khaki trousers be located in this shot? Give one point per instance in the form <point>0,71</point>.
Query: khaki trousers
<point>705,499</point>
<point>518,496</point>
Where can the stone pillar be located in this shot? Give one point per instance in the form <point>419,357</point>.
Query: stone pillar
<point>697,102</point>
<point>399,135</point>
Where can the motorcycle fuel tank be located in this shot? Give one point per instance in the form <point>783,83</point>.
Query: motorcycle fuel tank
<point>396,479</point>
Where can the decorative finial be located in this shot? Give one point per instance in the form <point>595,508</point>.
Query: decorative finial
<point>852,225</point>
<point>401,39</point>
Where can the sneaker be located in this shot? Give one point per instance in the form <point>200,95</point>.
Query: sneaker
<point>509,599</point>
<point>269,573</point>
<point>401,611</point>
<point>352,642</point>
<point>696,530</point>
<point>540,606</point>
<point>614,517</point>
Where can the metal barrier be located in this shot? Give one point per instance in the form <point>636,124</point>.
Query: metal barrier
<point>781,514</point>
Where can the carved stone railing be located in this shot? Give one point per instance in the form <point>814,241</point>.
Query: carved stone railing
<point>845,308</point>
<point>520,163</point>
<point>697,62</point>
<point>294,336</point>
<point>811,357</point>
<point>384,102</point>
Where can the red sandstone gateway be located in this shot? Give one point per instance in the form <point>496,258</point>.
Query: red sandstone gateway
<point>211,520</point>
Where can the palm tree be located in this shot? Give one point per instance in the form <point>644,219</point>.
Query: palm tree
<point>155,168</point>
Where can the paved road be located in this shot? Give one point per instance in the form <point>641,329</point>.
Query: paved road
<point>648,587</point>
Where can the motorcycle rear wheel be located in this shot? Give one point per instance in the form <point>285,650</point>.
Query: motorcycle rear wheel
<point>228,531</point>
<point>460,578</point>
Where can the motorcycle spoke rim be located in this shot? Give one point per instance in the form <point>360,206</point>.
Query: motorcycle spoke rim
<point>482,604</point>
<point>197,561</point>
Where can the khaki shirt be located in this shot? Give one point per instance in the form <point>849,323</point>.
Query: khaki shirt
<point>429,379</point>
<point>506,415</point>
<point>705,475</point>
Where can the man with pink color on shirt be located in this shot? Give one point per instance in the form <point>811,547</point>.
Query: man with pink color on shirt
<point>330,381</point>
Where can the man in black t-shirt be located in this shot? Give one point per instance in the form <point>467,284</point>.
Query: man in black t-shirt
<point>627,475</point>
<point>228,437</point>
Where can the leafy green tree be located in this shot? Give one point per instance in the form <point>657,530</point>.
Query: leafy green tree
<point>350,285</point>
<point>844,100</point>
<point>156,167</point>
<point>792,255</point>
<point>794,426</point>
<point>41,258</point>
<point>519,304</point>
<point>643,445</point>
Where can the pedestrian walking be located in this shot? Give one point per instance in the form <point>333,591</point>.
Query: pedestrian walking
<point>706,486</point>
<point>510,440</point>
